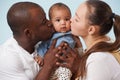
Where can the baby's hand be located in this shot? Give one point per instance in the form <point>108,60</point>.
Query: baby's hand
<point>39,60</point>
<point>78,41</point>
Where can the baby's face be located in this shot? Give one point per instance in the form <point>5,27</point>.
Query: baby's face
<point>61,20</point>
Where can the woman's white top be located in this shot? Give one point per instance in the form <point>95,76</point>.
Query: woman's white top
<point>102,66</point>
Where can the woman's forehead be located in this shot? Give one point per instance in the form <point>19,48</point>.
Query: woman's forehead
<point>82,10</point>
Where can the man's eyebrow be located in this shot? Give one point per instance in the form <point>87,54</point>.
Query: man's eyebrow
<point>44,20</point>
<point>77,15</point>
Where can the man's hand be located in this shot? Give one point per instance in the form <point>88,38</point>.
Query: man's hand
<point>49,63</point>
<point>49,58</point>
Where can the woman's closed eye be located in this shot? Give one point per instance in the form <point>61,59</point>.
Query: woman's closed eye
<point>76,20</point>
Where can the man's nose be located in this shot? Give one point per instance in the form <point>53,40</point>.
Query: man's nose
<point>50,25</point>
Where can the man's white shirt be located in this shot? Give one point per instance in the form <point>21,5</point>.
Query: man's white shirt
<point>16,63</point>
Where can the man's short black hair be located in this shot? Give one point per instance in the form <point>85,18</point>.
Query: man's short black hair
<point>19,16</point>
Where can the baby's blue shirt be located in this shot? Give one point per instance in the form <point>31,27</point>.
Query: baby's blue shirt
<point>44,46</point>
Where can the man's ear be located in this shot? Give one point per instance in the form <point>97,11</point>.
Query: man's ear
<point>92,30</point>
<point>28,32</point>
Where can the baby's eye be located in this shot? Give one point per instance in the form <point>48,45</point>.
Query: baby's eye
<point>67,19</point>
<point>58,20</point>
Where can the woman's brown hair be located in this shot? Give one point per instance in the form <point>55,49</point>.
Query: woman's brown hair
<point>101,14</point>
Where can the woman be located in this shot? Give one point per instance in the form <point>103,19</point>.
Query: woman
<point>92,21</point>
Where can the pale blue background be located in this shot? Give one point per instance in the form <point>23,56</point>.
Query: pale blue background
<point>5,31</point>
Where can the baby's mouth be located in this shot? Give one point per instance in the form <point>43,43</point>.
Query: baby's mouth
<point>63,29</point>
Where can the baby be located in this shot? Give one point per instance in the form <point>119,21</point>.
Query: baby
<point>59,15</point>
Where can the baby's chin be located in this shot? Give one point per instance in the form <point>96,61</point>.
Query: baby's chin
<point>63,31</point>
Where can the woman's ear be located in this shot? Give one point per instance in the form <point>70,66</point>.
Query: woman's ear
<point>92,30</point>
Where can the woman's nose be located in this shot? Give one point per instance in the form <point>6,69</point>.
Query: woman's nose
<point>71,20</point>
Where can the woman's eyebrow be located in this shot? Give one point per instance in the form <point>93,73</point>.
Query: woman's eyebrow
<point>77,15</point>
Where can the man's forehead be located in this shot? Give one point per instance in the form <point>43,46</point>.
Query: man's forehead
<point>38,14</point>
